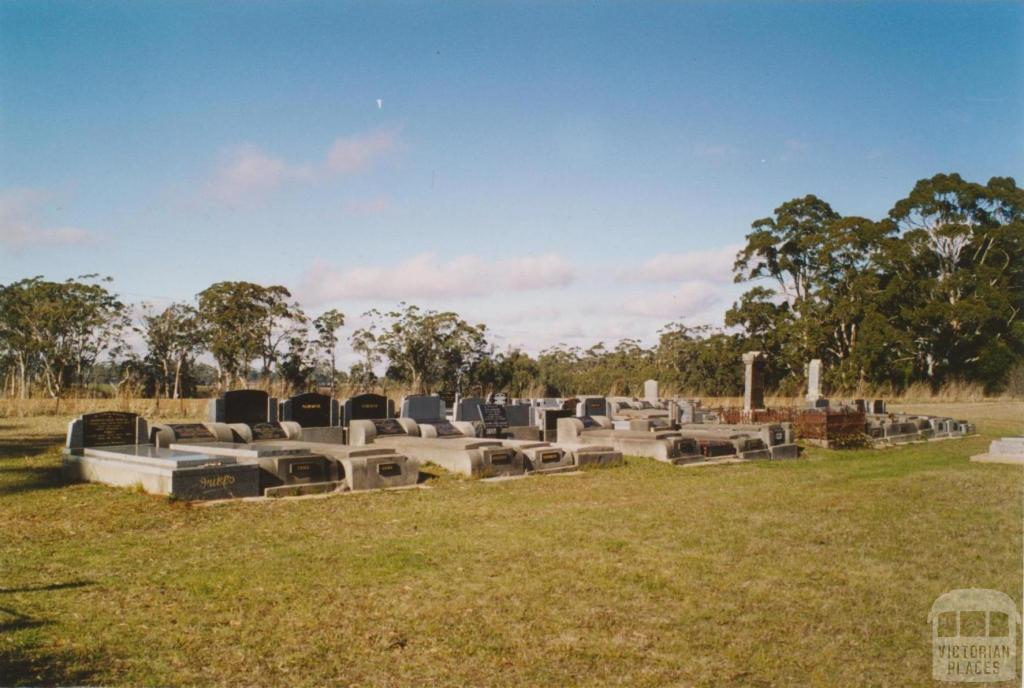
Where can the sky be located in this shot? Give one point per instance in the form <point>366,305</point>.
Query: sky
<point>564,172</point>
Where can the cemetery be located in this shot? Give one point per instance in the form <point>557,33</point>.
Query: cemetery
<point>255,445</point>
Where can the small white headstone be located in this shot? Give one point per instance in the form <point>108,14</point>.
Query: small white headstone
<point>651,391</point>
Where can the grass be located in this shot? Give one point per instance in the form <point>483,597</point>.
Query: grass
<point>812,572</point>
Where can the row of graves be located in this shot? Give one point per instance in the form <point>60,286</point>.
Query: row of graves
<point>252,445</point>
<point>836,423</point>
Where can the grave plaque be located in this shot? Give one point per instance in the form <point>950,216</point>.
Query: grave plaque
<point>191,432</point>
<point>109,428</point>
<point>493,416</point>
<point>311,410</point>
<point>268,431</point>
<point>449,399</point>
<point>367,407</point>
<point>444,428</point>
<point>387,426</point>
<point>247,406</point>
<point>595,406</point>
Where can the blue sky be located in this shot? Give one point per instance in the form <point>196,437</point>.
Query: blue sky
<point>566,172</point>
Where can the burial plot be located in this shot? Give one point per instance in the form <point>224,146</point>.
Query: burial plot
<point>111,448</point>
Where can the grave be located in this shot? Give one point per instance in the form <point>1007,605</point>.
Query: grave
<point>1005,450</point>
<point>651,391</point>
<point>668,447</point>
<point>111,448</point>
<point>493,419</point>
<point>469,456</point>
<point>421,407</point>
<point>246,406</point>
<point>520,422</point>
<point>814,380</point>
<point>318,414</point>
<point>592,406</point>
<point>467,410</point>
<point>367,407</point>
<point>753,381</point>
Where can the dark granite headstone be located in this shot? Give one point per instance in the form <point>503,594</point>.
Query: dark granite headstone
<point>878,406</point>
<point>109,428</point>
<point>449,399</point>
<point>551,417</point>
<point>493,416</point>
<point>368,407</point>
<point>249,406</point>
<point>595,406</point>
<point>310,410</point>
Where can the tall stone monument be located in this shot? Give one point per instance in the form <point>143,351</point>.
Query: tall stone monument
<point>814,380</point>
<point>753,381</point>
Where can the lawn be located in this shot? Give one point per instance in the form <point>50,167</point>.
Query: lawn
<point>812,572</point>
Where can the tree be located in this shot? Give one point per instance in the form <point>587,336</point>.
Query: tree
<point>425,349</point>
<point>174,337</point>
<point>243,321</point>
<point>327,325</point>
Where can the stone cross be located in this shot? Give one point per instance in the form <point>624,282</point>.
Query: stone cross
<point>753,381</point>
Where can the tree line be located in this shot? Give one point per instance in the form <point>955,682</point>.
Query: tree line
<point>932,293</point>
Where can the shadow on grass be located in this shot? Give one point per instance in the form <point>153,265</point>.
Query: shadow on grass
<point>23,660</point>
<point>31,665</point>
<point>17,447</point>
<point>18,480</point>
<point>47,588</point>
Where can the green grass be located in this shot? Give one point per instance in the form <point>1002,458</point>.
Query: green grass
<point>812,572</point>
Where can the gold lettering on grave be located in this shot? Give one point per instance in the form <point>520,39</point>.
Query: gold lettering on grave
<point>212,481</point>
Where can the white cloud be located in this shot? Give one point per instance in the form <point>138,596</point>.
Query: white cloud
<point>356,153</point>
<point>711,265</point>
<point>247,172</point>
<point>428,276</point>
<point>20,227</point>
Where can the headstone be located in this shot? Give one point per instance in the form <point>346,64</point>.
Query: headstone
<point>368,407</point>
<point>467,409</point>
<point>814,380</point>
<point>570,404</point>
<point>422,407</point>
<point>449,401</point>
<point>753,381</point>
<point>494,419</point>
<point>595,406</point>
<point>311,410</point>
<point>651,391</point>
<point>518,415</point>
<point>878,407</point>
<point>107,429</point>
<point>551,417</point>
<point>501,398</point>
<point>248,406</point>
